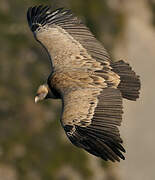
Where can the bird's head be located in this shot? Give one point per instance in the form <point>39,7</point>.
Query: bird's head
<point>42,93</point>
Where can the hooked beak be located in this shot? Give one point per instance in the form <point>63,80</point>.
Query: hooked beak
<point>36,99</point>
<point>40,97</point>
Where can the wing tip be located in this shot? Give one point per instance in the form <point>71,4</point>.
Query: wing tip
<point>42,15</point>
<point>111,150</point>
<point>34,16</point>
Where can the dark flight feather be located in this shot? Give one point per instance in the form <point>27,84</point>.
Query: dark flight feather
<point>130,82</point>
<point>90,85</point>
<point>41,16</point>
<point>102,140</point>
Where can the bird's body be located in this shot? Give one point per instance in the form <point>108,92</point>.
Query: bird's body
<point>90,85</point>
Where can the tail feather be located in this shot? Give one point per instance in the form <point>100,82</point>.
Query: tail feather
<point>130,82</point>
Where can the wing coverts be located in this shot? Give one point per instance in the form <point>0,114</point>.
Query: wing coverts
<point>90,84</point>
<point>40,17</point>
<point>100,136</point>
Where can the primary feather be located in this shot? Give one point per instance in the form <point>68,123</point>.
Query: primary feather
<point>90,85</point>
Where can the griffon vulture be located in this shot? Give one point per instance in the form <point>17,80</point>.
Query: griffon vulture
<point>90,85</point>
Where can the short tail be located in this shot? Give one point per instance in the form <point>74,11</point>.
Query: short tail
<point>130,82</point>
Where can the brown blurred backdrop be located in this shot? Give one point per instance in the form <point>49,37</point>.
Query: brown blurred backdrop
<point>33,145</point>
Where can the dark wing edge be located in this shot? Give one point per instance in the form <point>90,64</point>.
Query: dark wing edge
<point>101,138</point>
<point>40,16</point>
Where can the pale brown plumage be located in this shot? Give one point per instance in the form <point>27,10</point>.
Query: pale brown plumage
<point>90,85</point>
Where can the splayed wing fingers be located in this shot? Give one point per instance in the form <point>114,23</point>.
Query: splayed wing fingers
<point>90,119</point>
<point>88,82</point>
<point>66,38</point>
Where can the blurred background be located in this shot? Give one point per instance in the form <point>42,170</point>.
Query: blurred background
<point>33,146</point>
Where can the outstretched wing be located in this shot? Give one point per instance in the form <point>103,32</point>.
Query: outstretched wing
<point>67,40</point>
<point>91,112</point>
<point>90,118</point>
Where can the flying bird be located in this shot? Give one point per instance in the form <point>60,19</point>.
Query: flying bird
<point>90,85</point>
